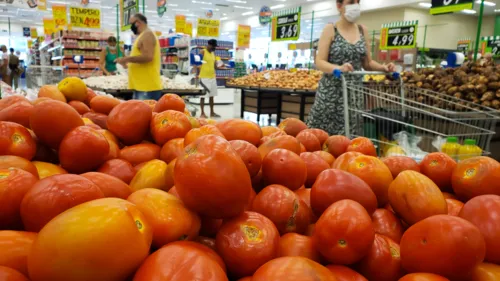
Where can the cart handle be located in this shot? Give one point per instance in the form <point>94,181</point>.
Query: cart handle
<point>337,73</point>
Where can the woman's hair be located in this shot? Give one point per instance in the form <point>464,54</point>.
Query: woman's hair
<point>112,39</point>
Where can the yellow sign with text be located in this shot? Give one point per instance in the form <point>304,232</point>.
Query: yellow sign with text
<point>84,17</point>
<point>189,29</point>
<point>59,13</point>
<point>244,36</point>
<point>49,26</point>
<point>33,32</point>
<point>180,23</point>
<point>208,28</point>
<point>42,5</point>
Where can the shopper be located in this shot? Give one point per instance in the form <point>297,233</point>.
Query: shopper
<point>144,61</point>
<point>4,65</point>
<point>14,69</point>
<point>208,77</point>
<point>109,55</point>
<point>343,46</point>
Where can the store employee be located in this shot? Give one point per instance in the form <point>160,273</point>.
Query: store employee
<point>144,61</point>
<point>208,77</point>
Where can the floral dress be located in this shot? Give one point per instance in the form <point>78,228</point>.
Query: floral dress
<point>327,113</point>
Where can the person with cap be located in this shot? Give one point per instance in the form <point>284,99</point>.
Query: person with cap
<point>144,62</point>
<point>208,78</point>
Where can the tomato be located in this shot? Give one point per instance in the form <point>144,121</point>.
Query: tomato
<point>296,245</point>
<point>15,247</point>
<point>129,121</point>
<point>415,197</point>
<point>18,113</point>
<point>344,233</point>
<point>90,96</point>
<point>140,153</point>
<point>362,145</point>
<point>10,161</point>
<point>175,223</point>
<point>309,140</point>
<point>103,104</point>
<point>315,165</point>
<point>387,224</point>
<point>169,175</point>
<point>334,185</point>
<point>249,154</point>
<point>258,182</point>
<point>491,182</point>
<point>292,126</point>
<point>320,134</point>
<point>447,195</point>
<point>169,125</point>
<point>383,261</point>
<point>484,212</point>
<point>343,160</point>
<point>486,272</point>
<point>439,168</point>
<point>305,195</point>
<point>283,142</point>
<point>284,167</point>
<point>109,185</point>
<point>53,195</point>
<point>52,92</point>
<point>79,106</point>
<point>16,140</point>
<point>238,129</point>
<point>398,164</point>
<point>246,242</point>
<point>206,241</point>
<point>211,178</point>
<point>14,184</point>
<point>293,269</point>
<point>344,273</point>
<point>152,174</point>
<point>172,149</point>
<point>454,206</point>
<point>180,261</point>
<point>99,119</point>
<point>469,177</point>
<point>284,208</point>
<point>269,130</point>
<point>52,120</point>
<point>8,101</point>
<point>336,145</point>
<point>110,232</point>
<point>118,168</point>
<point>325,156</point>
<point>424,277</point>
<point>83,149</point>
<point>196,133</point>
<point>9,274</point>
<point>170,102</point>
<point>444,245</point>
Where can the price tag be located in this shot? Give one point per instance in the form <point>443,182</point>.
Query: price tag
<point>180,23</point>
<point>48,26</point>
<point>26,32</point>
<point>208,27</point>
<point>402,37</point>
<point>59,14</point>
<point>189,29</point>
<point>267,76</point>
<point>450,6</point>
<point>463,46</point>
<point>84,17</point>
<point>491,45</point>
<point>244,36</point>
<point>287,27</point>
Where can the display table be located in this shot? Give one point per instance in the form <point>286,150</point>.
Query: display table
<point>127,94</point>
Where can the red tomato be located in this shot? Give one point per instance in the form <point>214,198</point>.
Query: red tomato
<point>315,165</point>
<point>387,224</point>
<point>491,182</point>
<point>14,184</point>
<point>309,140</point>
<point>16,140</point>
<point>169,125</point>
<point>484,212</point>
<point>344,233</point>
<point>292,126</point>
<point>468,178</point>
<point>109,185</point>
<point>196,133</point>
<point>454,206</point>
<point>284,167</point>
<point>15,247</point>
<point>486,272</point>
<point>320,134</point>
<point>325,156</point>
<point>336,145</point>
<point>171,150</point>
<point>344,273</point>
<point>423,277</point>
<point>238,129</point>
<point>362,145</point>
<point>444,245</point>
<point>11,161</point>
<point>140,153</point>
<point>334,185</point>
<point>343,160</point>
<point>118,168</point>
<point>305,195</point>
<point>209,242</point>
<point>398,164</point>
<point>129,121</point>
<point>293,269</point>
<point>9,274</point>
<point>438,167</point>
<point>246,242</point>
<point>170,102</point>
<point>249,154</point>
<point>283,142</point>
<point>383,262</point>
<point>296,245</point>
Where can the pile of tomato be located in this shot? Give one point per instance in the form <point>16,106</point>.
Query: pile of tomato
<point>97,189</point>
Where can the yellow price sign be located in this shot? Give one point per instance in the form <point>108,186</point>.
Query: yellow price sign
<point>59,13</point>
<point>33,32</point>
<point>244,32</point>
<point>49,26</point>
<point>42,5</point>
<point>189,29</point>
<point>84,17</point>
<point>208,27</point>
<point>180,23</point>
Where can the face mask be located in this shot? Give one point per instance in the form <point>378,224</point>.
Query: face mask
<point>112,48</point>
<point>134,29</point>
<point>352,12</point>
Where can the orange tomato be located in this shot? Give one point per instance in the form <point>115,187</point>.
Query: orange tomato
<point>293,269</point>
<point>439,168</point>
<point>129,121</point>
<point>196,133</point>
<point>398,164</point>
<point>9,274</point>
<point>172,149</point>
<point>292,126</point>
<point>269,130</point>
<point>109,185</point>
<point>362,145</point>
<point>309,140</point>
<point>79,106</point>
<point>103,104</point>
<point>16,140</point>
<point>320,134</point>
<point>283,142</point>
<point>238,129</point>
<point>18,113</point>
<point>152,175</point>
<point>326,156</point>
<point>15,247</point>
<point>48,169</point>
<point>98,118</point>
<point>336,145</point>
<point>454,206</point>
<point>249,154</point>
<point>10,161</point>
<point>344,273</point>
<point>140,153</point>
<point>296,245</point>
<point>424,277</point>
<point>170,102</point>
<point>486,272</point>
<point>170,175</point>
<point>468,178</point>
<point>169,125</point>
<point>118,168</point>
<point>343,160</point>
<point>52,92</point>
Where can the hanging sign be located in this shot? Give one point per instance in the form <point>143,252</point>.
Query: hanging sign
<point>161,7</point>
<point>42,4</point>
<point>26,32</point>
<point>463,46</point>
<point>491,45</point>
<point>286,25</point>
<point>208,28</point>
<point>180,23</point>
<point>49,26</point>
<point>34,32</point>
<point>243,35</point>
<point>450,6</point>
<point>127,9</point>
<point>189,29</point>
<point>30,44</point>
<point>265,15</point>
<point>85,17</point>
<point>59,13</point>
<point>399,35</point>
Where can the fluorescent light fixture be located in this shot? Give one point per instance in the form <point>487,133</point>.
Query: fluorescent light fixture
<point>224,18</point>
<point>243,7</point>
<point>180,10</point>
<point>277,6</point>
<point>470,12</point>
<point>425,5</point>
<point>247,14</point>
<point>486,3</point>
<point>497,10</point>
<point>202,2</point>
<point>237,1</point>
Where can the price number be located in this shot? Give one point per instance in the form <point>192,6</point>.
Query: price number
<point>403,40</point>
<point>91,22</point>
<point>213,31</point>
<point>495,51</point>
<point>60,22</point>
<point>450,2</point>
<point>289,31</point>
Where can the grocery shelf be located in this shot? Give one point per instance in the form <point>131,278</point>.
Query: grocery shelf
<point>83,38</point>
<point>175,47</point>
<point>217,48</point>
<point>54,48</point>
<point>81,48</point>
<point>84,57</point>
<point>75,66</point>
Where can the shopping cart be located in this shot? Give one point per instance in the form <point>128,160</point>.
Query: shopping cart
<point>37,76</point>
<point>380,111</point>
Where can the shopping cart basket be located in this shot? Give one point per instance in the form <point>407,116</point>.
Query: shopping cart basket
<point>380,113</point>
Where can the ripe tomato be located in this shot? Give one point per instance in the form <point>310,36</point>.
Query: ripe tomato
<point>343,160</point>
<point>9,274</point>
<point>469,177</point>
<point>152,174</point>
<point>196,133</point>
<point>109,185</point>
<point>284,208</point>
<point>211,178</point>
<point>454,206</point>
<point>444,245</point>
<point>269,130</point>
<point>169,125</point>
<point>10,161</point>
<point>424,277</point>
<point>484,212</point>
<point>246,242</point>
<point>415,197</point>
<point>99,229</point>
<point>79,106</point>
<point>249,154</point>
<point>238,129</point>
<point>336,145</point>
<point>103,104</point>
<point>438,167</point>
<point>8,101</point>
<point>491,182</point>
<point>172,149</point>
<point>362,145</point>
<point>181,261</point>
<point>325,156</point>
<point>14,184</point>
<point>292,126</point>
<point>140,153</point>
<point>15,247</point>
<point>320,134</point>
<point>118,168</point>
<point>99,119</point>
<point>383,261</point>
<point>486,272</point>
<point>53,195</point>
<point>387,224</point>
<point>283,142</point>
<point>296,245</point>
<point>315,165</point>
<point>206,241</point>
<point>344,273</point>
<point>284,167</point>
<point>398,164</point>
<point>48,169</point>
<point>18,113</point>
<point>293,269</point>
<point>169,175</point>
<point>170,102</point>
<point>16,140</point>
<point>344,233</point>
<point>129,121</point>
<point>305,195</point>
<point>309,140</point>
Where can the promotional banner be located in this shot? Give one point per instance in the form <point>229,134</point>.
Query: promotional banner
<point>265,15</point>
<point>85,17</point>
<point>464,45</point>
<point>491,45</point>
<point>26,32</point>
<point>59,13</point>
<point>161,7</point>
<point>189,29</point>
<point>450,6</point>
<point>286,25</point>
<point>399,35</point>
<point>180,23</point>
<point>42,4</point>
<point>49,26</point>
<point>34,33</point>
<point>127,9</point>
<point>208,28</point>
<point>243,35</point>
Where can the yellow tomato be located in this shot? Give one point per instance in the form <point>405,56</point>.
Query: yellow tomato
<point>152,175</point>
<point>48,169</point>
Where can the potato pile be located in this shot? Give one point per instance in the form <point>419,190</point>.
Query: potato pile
<point>301,79</point>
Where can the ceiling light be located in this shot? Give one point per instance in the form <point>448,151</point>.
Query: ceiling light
<point>225,18</point>
<point>237,1</point>
<point>202,2</point>
<point>468,12</point>
<point>486,3</point>
<point>425,5</point>
<point>180,10</point>
<point>247,14</point>
<point>497,10</point>
<point>277,6</point>
<point>173,5</point>
<point>243,7</point>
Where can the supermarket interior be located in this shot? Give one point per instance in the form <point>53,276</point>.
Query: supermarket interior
<point>249,140</point>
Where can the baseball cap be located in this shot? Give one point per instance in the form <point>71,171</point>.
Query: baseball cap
<point>212,42</point>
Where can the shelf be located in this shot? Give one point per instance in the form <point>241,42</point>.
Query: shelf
<point>82,48</point>
<point>75,66</point>
<point>226,58</point>
<point>175,47</point>
<point>84,57</point>
<point>54,48</point>
<point>84,38</point>
<point>217,48</point>
<point>224,78</point>
<point>44,45</point>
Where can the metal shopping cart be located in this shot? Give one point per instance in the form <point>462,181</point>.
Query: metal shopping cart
<point>378,111</point>
<point>37,76</point>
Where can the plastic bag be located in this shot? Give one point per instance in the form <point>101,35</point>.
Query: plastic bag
<point>438,142</point>
<point>407,146</point>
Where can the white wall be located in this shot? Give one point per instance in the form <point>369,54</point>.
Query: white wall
<point>375,19</point>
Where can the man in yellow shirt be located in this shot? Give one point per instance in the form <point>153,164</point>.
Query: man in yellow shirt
<point>144,62</point>
<point>208,77</point>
